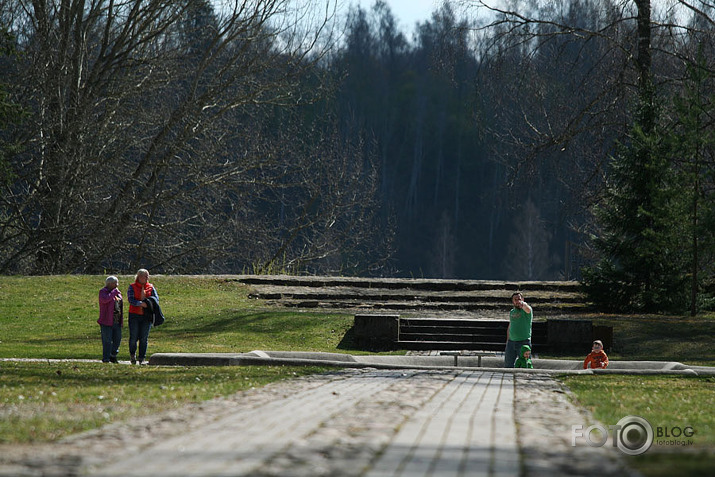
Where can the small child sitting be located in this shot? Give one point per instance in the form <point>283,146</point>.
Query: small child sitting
<point>524,359</point>
<point>597,357</point>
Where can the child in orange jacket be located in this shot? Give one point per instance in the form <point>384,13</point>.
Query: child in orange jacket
<point>597,357</point>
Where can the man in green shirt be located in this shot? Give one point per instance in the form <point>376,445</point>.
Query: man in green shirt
<point>519,331</point>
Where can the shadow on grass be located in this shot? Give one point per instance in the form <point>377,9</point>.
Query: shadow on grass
<point>262,322</point>
<point>86,375</point>
<point>667,464</point>
<point>347,343</point>
<point>661,338</point>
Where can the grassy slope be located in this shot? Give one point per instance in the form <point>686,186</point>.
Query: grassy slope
<point>55,317</point>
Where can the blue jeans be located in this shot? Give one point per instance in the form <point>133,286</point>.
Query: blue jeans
<point>512,351</point>
<point>138,331</point>
<point>111,339</point>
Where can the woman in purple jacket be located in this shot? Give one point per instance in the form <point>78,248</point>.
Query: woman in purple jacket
<point>111,319</point>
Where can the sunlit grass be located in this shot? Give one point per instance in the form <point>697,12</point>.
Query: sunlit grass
<point>662,400</point>
<point>56,317</point>
<point>683,339</point>
<point>44,401</point>
<point>667,402</point>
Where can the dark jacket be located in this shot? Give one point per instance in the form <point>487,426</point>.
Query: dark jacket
<point>153,313</point>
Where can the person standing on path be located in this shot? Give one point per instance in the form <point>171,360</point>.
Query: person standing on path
<point>139,319</point>
<point>111,319</point>
<point>518,333</point>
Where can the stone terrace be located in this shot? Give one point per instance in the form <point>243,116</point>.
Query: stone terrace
<point>485,298</point>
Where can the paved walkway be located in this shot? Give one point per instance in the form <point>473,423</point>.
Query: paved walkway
<point>364,422</point>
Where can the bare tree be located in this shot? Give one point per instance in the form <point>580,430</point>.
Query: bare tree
<point>600,55</point>
<point>444,249</point>
<point>324,209</point>
<point>152,128</point>
<point>528,255</point>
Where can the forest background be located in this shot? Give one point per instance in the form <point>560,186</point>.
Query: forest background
<point>521,140</point>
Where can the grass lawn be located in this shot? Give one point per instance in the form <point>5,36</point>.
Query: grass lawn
<point>670,404</point>
<point>55,317</point>
<point>685,339</point>
<point>44,401</point>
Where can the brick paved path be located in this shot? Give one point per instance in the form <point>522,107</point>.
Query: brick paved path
<point>356,422</point>
<point>373,423</point>
<point>467,428</point>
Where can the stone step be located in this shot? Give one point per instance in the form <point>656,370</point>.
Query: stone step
<point>407,283</point>
<point>390,330</point>
<point>437,330</point>
<point>408,295</point>
<point>381,295</point>
<point>546,308</point>
<point>450,345</point>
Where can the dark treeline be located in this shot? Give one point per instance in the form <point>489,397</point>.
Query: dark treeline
<point>495,136</point>
<point>461,206</point>
<point>208,137</point>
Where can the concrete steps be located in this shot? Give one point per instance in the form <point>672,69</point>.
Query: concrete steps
<point>422,314</point>
<point>412,294</point>
<point>409,283</point>
<point>460,334</point>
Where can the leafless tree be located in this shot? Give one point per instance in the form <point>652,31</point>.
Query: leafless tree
<point>528,255</point>
<point>599,57</point>
<point>152,129</point>
<point>444,249</point>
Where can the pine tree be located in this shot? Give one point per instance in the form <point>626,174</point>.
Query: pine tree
<point>641,265</point>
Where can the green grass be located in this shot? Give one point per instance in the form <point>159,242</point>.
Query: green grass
<point>55,317</point>
<point>666,402</point>
<point>44,401</point>
<point>684,339</point>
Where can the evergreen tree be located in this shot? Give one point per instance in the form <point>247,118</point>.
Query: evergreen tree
<point>641,264</point>
<point>641,261</point>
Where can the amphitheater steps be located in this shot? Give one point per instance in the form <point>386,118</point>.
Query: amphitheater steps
<point>412,295</point>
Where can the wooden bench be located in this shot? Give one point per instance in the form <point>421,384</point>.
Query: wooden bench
<point>457,354</point>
